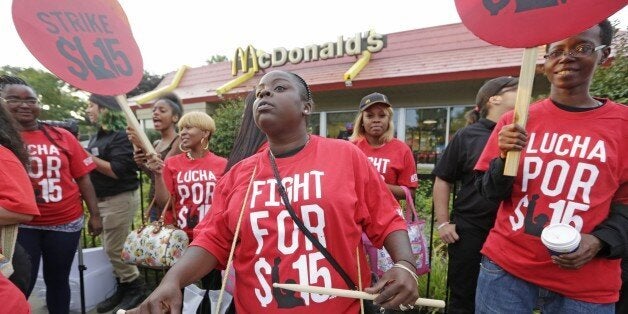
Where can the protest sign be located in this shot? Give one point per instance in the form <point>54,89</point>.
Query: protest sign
<point>87,43</point>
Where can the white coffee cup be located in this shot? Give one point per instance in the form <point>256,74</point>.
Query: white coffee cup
<point>560,238</point>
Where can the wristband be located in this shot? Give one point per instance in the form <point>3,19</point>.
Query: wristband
<point>442,225</point>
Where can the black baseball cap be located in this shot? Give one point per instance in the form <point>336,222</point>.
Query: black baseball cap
<point>105,101</point>
<point>492,88</point>
<point>374,98</point>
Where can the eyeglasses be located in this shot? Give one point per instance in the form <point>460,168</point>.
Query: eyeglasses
<point>16,102</point>
<point>581,51</point>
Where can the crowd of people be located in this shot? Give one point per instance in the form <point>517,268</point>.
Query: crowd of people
<point>279,210</point>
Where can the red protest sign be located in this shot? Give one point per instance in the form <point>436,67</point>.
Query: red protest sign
<point>530,23</point>
<point>87,43</point>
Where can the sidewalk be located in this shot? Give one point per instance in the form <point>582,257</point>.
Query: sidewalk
<point>38,306</point>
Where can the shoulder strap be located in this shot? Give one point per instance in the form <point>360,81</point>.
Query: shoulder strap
<point>308,234</point>
<point>410,214</point>
<point>163,212</point>
<point>146,216</point>
<point>172,142</point>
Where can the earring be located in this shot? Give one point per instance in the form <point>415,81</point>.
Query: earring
<point>206,145</point>
<point>181,148</point>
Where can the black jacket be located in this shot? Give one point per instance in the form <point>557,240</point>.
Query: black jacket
<point>114,147</point>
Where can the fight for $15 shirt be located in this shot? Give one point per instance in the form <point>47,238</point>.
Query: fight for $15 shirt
<point>337,194</point>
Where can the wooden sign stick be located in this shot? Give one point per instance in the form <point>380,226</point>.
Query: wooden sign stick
<point>131,120</point>
<point>524,95</point>
<point>350,294</point>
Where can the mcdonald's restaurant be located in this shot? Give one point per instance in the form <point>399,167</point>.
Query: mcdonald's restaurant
<point>430,75</point>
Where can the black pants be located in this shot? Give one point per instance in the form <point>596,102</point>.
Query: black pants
<point>622,304</point>
<point>21,270</point>
<point>56,249</point>
<point>463,269</point>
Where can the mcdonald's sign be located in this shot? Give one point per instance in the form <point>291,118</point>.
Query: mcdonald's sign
<point>244,60</point>
<point>249,58</point>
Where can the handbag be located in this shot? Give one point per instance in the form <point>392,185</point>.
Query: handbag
<point>379,259</point>
<point>156,245</point>
<point>8,234</point>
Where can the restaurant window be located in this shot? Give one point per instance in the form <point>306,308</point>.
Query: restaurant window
<point>457,119</point>
<point>425,134</point>
<point>338,122</point>
<point>315,124</point>
<point>148,124</point>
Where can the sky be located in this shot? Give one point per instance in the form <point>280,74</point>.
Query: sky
<point>188,32</point>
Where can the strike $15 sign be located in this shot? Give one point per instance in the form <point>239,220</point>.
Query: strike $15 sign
<point>86,43</point>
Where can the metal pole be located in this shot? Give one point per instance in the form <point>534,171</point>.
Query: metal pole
<point>81,268</point>
<point>429,274</point>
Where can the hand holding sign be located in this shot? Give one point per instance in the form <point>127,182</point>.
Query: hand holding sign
<point>87,43</point>
<point>530,23</point>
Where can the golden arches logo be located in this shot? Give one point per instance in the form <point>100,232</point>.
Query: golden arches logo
<point>242,58</point>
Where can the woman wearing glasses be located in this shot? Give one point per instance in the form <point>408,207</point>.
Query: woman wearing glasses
<point>573,166</point>
<point>59,173</point>
<point>17,205</point>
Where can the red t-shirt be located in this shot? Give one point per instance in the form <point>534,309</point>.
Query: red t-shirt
<point>569,172</point>
<point>54,166</point>
<point>335,191</point>
<point>13,300</point>
<point>191,184</point>
<point>16,194</point>
<point>392,160</point>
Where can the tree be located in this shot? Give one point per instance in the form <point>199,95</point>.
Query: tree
<point>612,81</point>
<point>59,100</point>
<point>228,117</point>
<point>148,83</point>
<point>217,59</point>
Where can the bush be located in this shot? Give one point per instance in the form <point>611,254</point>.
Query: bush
<point>228,117</point>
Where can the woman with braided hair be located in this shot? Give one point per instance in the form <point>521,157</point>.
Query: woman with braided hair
<point>59,172</point>
<point>332,204</point>
<point>17,200</point>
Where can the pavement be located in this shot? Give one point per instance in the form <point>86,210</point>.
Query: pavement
<point>38,306</point>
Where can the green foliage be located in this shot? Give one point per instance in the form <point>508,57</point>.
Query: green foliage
<point>217,59</point>
<point>423,198</point>
<point>438,265</point>
<point>612,82</point>
<point>228,117</point>
<point>152,135</point>
<point>148,83</point>
<point>60,98</point>
<point>438,281</point>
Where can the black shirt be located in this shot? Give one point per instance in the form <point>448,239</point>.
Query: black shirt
<point>115,148</point>
<point>456,164</point>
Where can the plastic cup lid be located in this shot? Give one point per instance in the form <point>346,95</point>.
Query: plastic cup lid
<point>560,235</point>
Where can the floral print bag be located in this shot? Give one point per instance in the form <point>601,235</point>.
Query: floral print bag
<point>155,245</point>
